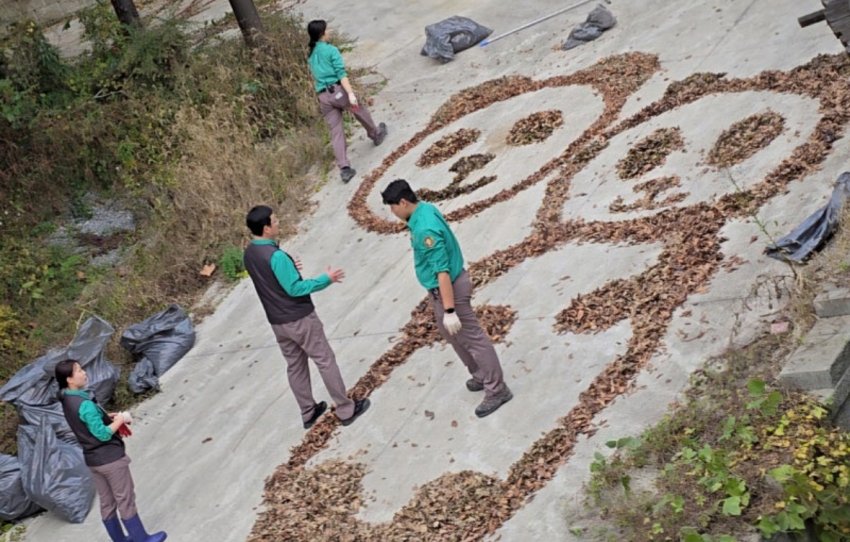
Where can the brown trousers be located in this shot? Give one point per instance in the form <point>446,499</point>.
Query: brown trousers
<point>115,489</point>
<point>332,108</point>
<point>472,345</point>
<point>306,338</point>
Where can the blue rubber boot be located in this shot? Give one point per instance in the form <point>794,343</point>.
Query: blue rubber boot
<point>137,531</point>
<point>116,532</point>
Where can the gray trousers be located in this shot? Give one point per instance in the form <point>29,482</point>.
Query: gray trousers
<point>472,345</point>
<point>302,339</point>
<point>332,109</point>
<point>115,489</point>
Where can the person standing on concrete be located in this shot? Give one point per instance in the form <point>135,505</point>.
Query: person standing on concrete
<point>98,433</point>
<point>285,297</point>
<point>438,261</point>
<point>336,96</point>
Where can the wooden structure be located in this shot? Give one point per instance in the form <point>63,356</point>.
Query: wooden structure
<point>836,13</point>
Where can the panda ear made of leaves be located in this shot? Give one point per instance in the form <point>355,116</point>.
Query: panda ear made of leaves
<point>488,143</point>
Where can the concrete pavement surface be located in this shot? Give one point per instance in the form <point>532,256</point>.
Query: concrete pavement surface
<point>655,272</point>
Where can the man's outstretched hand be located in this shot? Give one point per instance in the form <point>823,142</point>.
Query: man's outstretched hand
<point>336,275</point>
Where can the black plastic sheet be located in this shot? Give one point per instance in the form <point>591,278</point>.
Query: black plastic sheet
<point>816,230</point>
<point>599,20</point>
<point>452,35</point>
<point>157,344</point>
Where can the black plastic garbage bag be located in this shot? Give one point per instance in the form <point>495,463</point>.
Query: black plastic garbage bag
<point>53,473</point>
<point>32,385</point>
<point>35,385</point>
<point>89,348</point>
<point>816,230</point>
<point>599,20</point>
<point>53,414</point>
<point>14,503</point>
<point>158,343</point>
<point>452,35</point>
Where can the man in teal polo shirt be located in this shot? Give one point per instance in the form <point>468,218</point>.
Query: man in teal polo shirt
<point>285,296</point>
<point>439,268</point>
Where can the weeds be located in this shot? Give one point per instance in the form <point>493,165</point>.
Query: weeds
<point>186,138</point>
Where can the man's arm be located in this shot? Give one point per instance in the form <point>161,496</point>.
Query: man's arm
<point>288,277</point>
<point>447,293</point>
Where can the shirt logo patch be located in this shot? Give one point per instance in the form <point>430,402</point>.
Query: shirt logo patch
<point>429,242</point>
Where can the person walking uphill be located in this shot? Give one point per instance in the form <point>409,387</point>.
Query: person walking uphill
<point>336,96</point>
<point>285,297</point>
<point>439,268</point>
<point>103,450</point>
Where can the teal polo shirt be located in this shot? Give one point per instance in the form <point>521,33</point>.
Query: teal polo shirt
<point>92,415</point>
<point>326,65</point>
<point>435,248</point>
<point>288,276</point>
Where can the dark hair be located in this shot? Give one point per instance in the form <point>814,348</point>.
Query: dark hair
<point>316,29</point>
<point>64,369</point>
<point>258,217</point>
<point>398,190</point>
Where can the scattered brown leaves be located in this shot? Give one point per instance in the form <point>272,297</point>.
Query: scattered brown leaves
<point>468,164</point>
<point>467,506</point>
<point>448,146</point>
<point>651,189</point>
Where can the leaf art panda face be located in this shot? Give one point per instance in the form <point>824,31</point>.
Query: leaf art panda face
<point>632,227</point>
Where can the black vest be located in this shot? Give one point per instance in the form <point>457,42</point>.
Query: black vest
<point>96,452</point>
<point>280,307</point>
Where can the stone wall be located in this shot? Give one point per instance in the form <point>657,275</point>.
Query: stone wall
<point>42,11</point>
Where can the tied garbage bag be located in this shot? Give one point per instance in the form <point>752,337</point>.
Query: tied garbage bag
<point>88,348</point>
<point>452,35</point>
<point>158,343</point>
<point>53,415</point>
<point>35,393</point>
<point>35,384</point>
<point>54,474</point>
<point>816,230</point>
<point>599,20</point>
<point>14,503</point>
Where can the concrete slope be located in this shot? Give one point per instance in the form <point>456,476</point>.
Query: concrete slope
<point>674,289</point>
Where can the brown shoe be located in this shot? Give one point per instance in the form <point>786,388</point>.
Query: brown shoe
<point>491,404</point>
<point>474,385</point>
<point>318,410</point>
<point>360,406</point>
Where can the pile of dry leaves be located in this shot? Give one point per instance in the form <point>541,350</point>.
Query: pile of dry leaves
<point>650,152</point>
<point>535,128</point>
<point>745,138</point>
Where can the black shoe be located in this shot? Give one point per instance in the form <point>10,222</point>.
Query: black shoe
<point>474,385</point>
<point>491,404</point>
<point>382,133</point>
<point>360,406</point>
<point>347,173</point>
<point>318,410</point>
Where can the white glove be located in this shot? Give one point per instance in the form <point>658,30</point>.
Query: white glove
<point>127,418</point>
<point>352,99</point>
<point>451,322</point>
